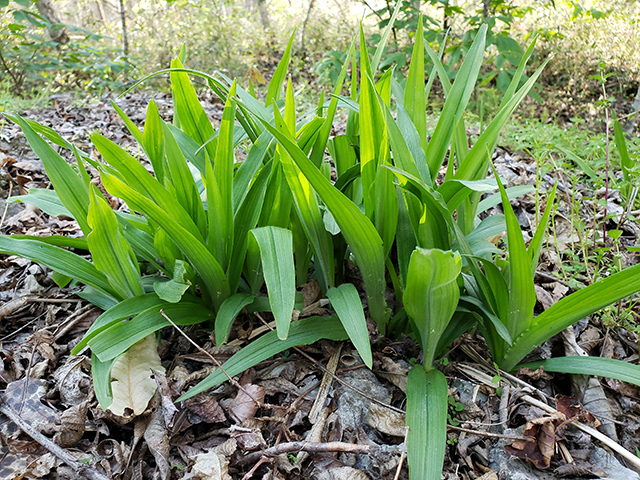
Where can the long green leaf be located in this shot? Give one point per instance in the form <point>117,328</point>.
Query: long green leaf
<point>414,95</point>
<point>602,367</point>
<point>427,422</point>
<point>246,219</point>
<point>110,251</point>
<point>180,182</point>
<point>275,85</point>
<point>223,173</point>
<point>571,309</point>
<point>192,118</point>
<point>522,295</point>
<point>72,190</point>
<point>359,232</point>
<point>125,309</point>
<point>317,155</point>
<point>535,246</point>
<point>153,140</point>
<point>302,332</point>
<point>139,179</point>
<point>276,252</point>
<point>101,374</point>
<point>46,200</point>
<point>204,263</point>
<point>228,312</point>
<point>383,40</point>
<point>373,142</point>
<point>625,160</point>
<point>58,260</point>
<point>431,295</point>
<point>345,300</point>
<point>456,103</point>
<point>116,339</point>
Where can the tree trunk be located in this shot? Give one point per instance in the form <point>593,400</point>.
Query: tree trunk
<point>485,8</point>
<point>57,33</point>
<point>123,22</point>
<point>304,24</point>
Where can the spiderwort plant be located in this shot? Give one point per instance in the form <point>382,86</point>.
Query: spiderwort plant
<point>203,235</point>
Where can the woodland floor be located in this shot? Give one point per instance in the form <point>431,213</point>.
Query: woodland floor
<point>225,434</point>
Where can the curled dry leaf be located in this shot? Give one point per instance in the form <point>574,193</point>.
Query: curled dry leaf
<point>579,468</point>
<point>71,425</point>
<point>541,447</point>
<point>394,372</point>
<point>248,439</point>
<point>157,439</point>
<point>169,409</point>
<point>214,464</point>
<point>245,404</point>
<point>570,408</point>
<point>73,381</point>
<point>132,385</point>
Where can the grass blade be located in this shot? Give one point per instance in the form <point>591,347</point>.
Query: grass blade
<point>571,309</point>
<point>58,260</point>
<point>110,251</point>
<point>601,367</point>
<point>357,229</point>
<point>72,190</point>
<point>427,422</point>
<point>348,306</point>
<point>276,252</point>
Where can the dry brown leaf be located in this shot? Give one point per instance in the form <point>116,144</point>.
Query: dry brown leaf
<point>248,439</point>
<point>210,466</point>
<point>72,380</point>
<point>132,385</point>
<point>157,439</point>
<point>169,409</point>
<point>341,473</point>
<point>71,425</point>
<point>579,468</point>
<point>395,373</point>
<point>386,420</point>
<point>24,397</point>
<point>204,408</point>
<point>540,451</point>
<point>244,405</point>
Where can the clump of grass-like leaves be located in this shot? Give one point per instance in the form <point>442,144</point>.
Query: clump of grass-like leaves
<point>203,234</point>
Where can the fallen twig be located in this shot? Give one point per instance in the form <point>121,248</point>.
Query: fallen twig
<point>78,467</point>
<point>311,447</point>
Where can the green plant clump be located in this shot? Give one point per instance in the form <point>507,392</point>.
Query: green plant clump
<point>203,234</point>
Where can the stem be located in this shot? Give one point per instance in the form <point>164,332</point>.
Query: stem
<point>397,288</point>
<point>606,180</point>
